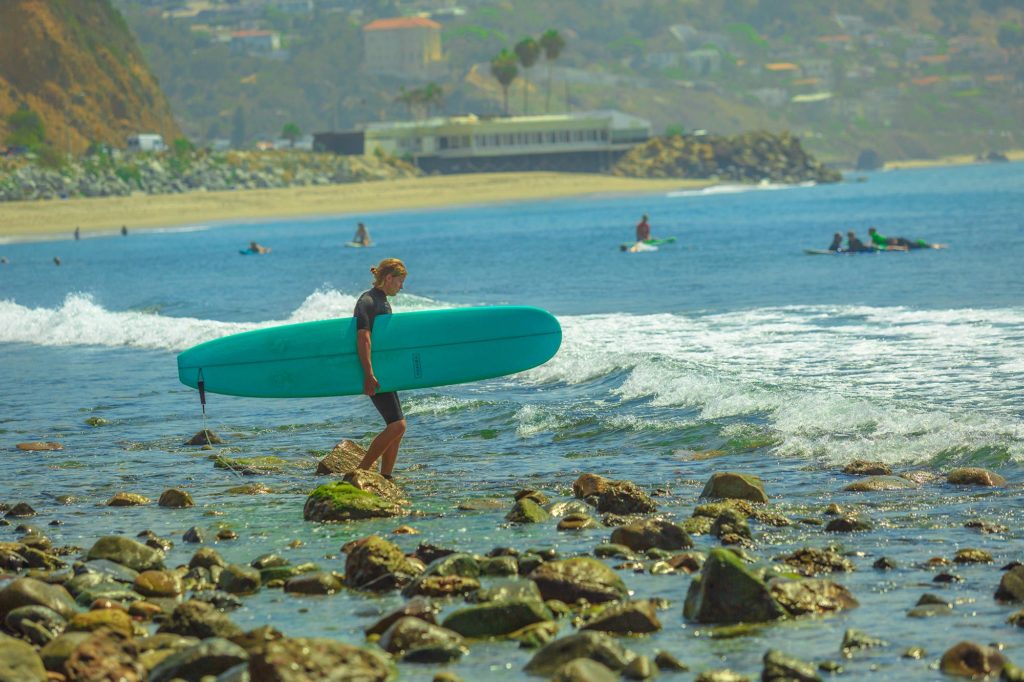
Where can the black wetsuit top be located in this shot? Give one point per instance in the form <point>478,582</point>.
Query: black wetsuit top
<point>371,304</point>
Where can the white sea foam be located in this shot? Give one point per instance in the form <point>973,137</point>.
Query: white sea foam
<point>714,190</point>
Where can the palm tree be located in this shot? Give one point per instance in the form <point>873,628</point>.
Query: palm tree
<point>528,51</point>
<point>432,96</point>
<point>505,68</point>
<point>552,43</point>
<point>410,98</point>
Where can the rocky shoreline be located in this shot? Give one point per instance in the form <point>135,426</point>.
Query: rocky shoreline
<point>171,173</point>
<point>120,610</point>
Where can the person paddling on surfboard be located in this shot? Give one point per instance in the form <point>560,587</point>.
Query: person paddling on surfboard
<point>643,229</point>
<point>362,236</point>
<point>837,242</point>
<point>897,242</point>
<point>388,279</point>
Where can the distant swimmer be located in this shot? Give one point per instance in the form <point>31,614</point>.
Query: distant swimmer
<point>388,280</point>
<point>837,242</point>
<point>643,229</point>
<point>56,260</point>
<point>256,247</point>
<point>78,233</point>
<point>362,236</point>
<point>899,242</point>
<point>124,231</point>
<point>3,260</point>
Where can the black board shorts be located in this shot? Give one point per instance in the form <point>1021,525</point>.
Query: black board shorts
<point>389,406</point>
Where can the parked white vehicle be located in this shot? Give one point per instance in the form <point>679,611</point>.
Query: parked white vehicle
<point>146,142</point>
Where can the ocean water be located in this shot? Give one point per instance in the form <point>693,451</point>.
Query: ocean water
<point>730,350</point>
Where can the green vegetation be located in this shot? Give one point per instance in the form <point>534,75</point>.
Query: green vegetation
<point>26,129</point>
<point>504,67</point>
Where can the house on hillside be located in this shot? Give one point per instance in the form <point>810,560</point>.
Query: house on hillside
<point>254,42</point>
<point>404,47</point>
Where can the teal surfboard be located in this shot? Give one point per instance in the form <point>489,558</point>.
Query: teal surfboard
<point>410,350</point>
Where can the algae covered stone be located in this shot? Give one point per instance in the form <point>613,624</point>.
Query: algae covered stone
<point>727,592</point>
<point>497,618</point>
<point>341,501</point>
<point>578,578</point>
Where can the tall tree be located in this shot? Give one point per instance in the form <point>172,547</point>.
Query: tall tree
<point>528,51</point>
<point>433,96</point>
<point>25,129</point>
<point>291,132</point>
<point>552,43</point>
<point>410,98</point>
<point>505,67</point>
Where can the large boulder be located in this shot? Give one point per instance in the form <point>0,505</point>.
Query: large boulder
<point>578,578</point>
<point>341,501</point>
<point>727,592</point>
<point>127,552</point>
<point>32,592</point>
<point>496,618</point>
<point>300,659</point>
<point>811,596</point>
<point>652,533</point>
<point>728,485</point>
<point>375,564</point>
<point>526,510</point>
<point>1011,586</point>
<point>373,482</point>
<point>345,457</point>
<point>19,662</point>
<point>975,476</point>
<point>199,619</point>
<point>967,659</point>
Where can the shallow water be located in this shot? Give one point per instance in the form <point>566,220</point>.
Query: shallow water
<point>729,350</point>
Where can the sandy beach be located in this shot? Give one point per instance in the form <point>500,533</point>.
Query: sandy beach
<point>955,160</point>
<point>50,219</point>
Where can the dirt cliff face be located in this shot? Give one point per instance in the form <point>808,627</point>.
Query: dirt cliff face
<point>75,63</point>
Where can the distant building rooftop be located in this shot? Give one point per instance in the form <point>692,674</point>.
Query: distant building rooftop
<point>398,23</point>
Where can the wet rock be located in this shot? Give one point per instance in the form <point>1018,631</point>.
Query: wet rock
<point>496,618</point>
<point>848,524</point>
<point>968,659</point>
<point>657,533</point>
<point>610,550</point>
<point>623,497</point>
<point>317,582</point>
<point>428,553</point>
<point>376,564</point>
<point>209,657</point>
<point>778,667</point>
<point>578,578</point>
<point>592,645</point>
<point>151,539</point>
<point>862,467</point>
<point>39,446</point>
<point>727,592</point>
<point>123,499</point>
<point>988,527</point>
<point>372,482</point>
<point>810,562</point>
<point>1011,586</point>
<point>499,565</point>
<point>972,556</point>
<point>226,534</point>
<point>112,619</point>
<point>975,476</point>
<point>105,655</point>
<point>728,485</point>
<point>930,605</point>
<point>855,640</point>
<point>529,493</point>
<point>577,521</point>
<point>249,489</point>
<point>481,504</point>
<point>731,527</point>
<point>126,552</point>
<point>199,619</point>
<point>235,579</point>
<point>22,510</point>
<point>588,485</point>
<point>872,484</point>
<point>669,663</point>
<point>527,511</point>
<point>584,670</point>
<point>206,557</point>
<point>194,535</point>
<point>506,590</point>
<point>19,662</point>
<point>884,564</point>
<point>417,607</point>
<point>301,658</point>
<point>687,562</point>
<point>175,499</point>
<point>37,624</point>
<point>204,437</point>
<point>409,634</point>
<point>158,584</point>
<point>441,586</point>
<point>341,501</point>
<point>32,592</point>
<point>629,618</point>
<point>640,668</point>
<point>59,649</point>
<point>811,597</point>
<point>218,599</point>
<point>345,457</point>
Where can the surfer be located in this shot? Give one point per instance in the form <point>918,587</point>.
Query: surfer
<point>362,236</point>
<point>853,243</point>
<point>78,233</point>
<point>888,242</point>
<point>643,229</point>
<point>388,279</point>
<point>837,242</point>
<point>256,247</point>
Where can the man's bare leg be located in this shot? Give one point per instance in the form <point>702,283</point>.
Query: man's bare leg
<point>381,444</point>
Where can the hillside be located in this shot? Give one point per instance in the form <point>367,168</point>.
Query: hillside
<point>76,64</point>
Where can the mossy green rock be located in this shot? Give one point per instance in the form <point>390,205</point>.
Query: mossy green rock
<point>376,564</point>
<point>880,483</point>
<point>727,592</point>
<point>267,464</point>
<point>127,552</point>
<point>593,645</point>
<point>496,618</point>
<point>19,662</point>
<point>578,578</point>
<point>729,485</point>
<point>341,501</point>
<point>527,511</point>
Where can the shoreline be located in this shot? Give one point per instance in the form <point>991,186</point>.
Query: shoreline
<point>102,216</point>
<point>952,160</point>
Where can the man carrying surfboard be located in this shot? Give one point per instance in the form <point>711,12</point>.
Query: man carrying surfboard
<point>388,279</point>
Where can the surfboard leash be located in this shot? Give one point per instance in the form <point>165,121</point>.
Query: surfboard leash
<point>201,385</point>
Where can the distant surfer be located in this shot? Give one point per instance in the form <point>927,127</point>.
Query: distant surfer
<point>124,230</point>
<point>854,244</point>
<point>837,242</point>
<point>256,247</point>
<point>362,237</point>
<point>78,233</point>
<point>643,229</point>
<point>901,242</point>
<point>56,260</point>
<point>388,279</point>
